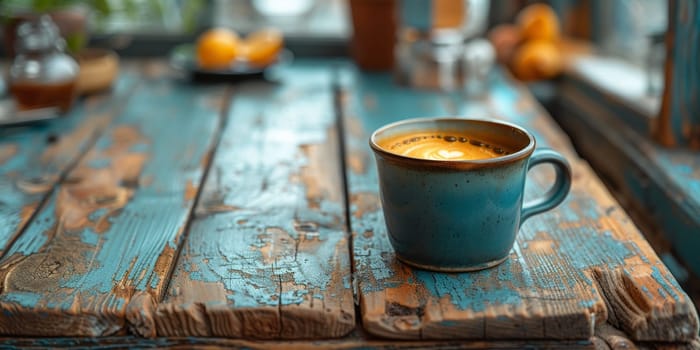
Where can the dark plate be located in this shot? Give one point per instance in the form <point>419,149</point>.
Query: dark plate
<point>11,116</point>
<point>182,59</point>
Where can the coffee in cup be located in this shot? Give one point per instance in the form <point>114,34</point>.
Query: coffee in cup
<point>436,145</point>
<point>452,189</point>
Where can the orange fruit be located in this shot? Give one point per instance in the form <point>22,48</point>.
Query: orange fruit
<point>262,47</point>
<point>538,21</point>
<point>217,48</point>
<point>536,59</point>
<point>505,39</point>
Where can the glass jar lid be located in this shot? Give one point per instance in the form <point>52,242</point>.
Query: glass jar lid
<point>40,34</point>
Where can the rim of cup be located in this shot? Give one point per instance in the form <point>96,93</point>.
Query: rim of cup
<point>520,154</point>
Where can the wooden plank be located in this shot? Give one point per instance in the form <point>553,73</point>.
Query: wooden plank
<point>692,345</point>
<point>664,312</point>
<point>615,338</point>
<point>267,256</point>
<point>600,344</point>
<point>33,158</point>
<point>679,121</point>
<point>399,302</point>
<point>355,340</point>
<point>621,85</point>
<point>98,255</point>
<point>661,184</point>
<point>570,269</point>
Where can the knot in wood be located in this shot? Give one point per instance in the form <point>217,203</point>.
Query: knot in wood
<point>305,227</point>
<point>39,184</point>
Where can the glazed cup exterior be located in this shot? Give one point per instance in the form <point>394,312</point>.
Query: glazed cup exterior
<point>461,215</point>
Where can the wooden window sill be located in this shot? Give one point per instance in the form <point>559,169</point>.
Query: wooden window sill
<point>604,107</point>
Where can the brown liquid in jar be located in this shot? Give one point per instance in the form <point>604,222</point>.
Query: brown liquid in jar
<point>32,95</point>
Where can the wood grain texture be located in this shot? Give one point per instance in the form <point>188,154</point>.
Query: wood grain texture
<point>679,121</point>
<point>105,242</point>
<point>267,256</point>
<point>355,340</point>
<point>692,345</point>
<point>614,338</point>
<point>571,268</point>
<point>662,184</point>
<point>33,158</point>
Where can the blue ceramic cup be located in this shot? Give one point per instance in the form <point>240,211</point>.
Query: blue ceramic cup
<point>461,215</point>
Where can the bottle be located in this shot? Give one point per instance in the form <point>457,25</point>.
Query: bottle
<point>42,75</point>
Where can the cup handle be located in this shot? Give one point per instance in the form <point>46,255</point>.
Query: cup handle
<point>559,190</point>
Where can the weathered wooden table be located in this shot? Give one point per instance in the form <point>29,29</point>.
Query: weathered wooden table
<point>173,214</point>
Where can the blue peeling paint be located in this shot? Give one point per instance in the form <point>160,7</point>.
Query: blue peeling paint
<point>139,148</point>
<point>97,214</point>
<point>90,237</point>
<point>662,279</point>
<point>256,248</point>
<point>376,88</point>
<point>591,248</point>
<point>25,299</point>
<point>31,160</point>
<point>155,281</point>
<point>44,223</point>
<point>103,143</point>
<point>138,233</point>
<point>587,304</point>
<point>580,238</point>
<point>474,291</point>
<point>293,297</point>
<point>100,163</point>
<point>347,281</point>
<point>506,99</point>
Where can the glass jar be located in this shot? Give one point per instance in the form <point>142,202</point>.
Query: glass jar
<point>42,75</point>
<point>432,47</point>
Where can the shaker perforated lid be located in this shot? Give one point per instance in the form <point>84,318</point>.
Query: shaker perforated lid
<point>38,35</point>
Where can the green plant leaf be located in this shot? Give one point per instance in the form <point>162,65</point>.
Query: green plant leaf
<point>75,42</point>
<point>102,7</point>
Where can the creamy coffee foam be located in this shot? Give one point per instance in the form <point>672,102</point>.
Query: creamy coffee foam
<point>441,146</point>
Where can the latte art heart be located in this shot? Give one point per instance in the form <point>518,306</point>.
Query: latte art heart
<point>450,154</point>
<point>438,146</point>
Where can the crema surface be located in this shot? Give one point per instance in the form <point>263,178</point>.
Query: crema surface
<point>440,146</point>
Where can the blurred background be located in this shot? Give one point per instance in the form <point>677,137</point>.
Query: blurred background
<point>410,36</point>
<point>413,37</point>
<point>625,28</point>
<point>606,55</point>
<point>631,30</point>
